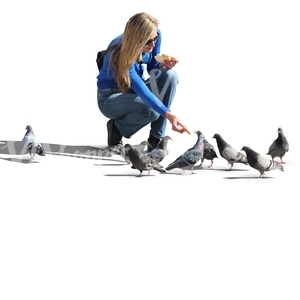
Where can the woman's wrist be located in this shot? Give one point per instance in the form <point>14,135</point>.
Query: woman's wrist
<point>170,116</point>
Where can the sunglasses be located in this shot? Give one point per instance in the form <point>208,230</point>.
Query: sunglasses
<point>152,40</point>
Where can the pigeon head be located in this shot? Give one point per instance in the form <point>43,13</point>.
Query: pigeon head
<point>28,127</point>
<point>127,147</point>
<point>168,138</point>
<point>246,148</point>
<point>164,141</point>
<point>216,136</point>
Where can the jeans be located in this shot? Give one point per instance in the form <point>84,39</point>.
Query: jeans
<point>130,111</point>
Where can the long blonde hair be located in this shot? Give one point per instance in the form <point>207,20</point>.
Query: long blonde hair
<point>137,31</point>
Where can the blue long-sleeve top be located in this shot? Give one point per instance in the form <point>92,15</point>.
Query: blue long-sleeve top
<point>106,78</point>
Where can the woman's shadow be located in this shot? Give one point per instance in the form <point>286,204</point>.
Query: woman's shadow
<point>10,147</point>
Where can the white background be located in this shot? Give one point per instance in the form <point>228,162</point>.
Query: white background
<point>83,229</point>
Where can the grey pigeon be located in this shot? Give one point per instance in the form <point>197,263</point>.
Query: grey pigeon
<point>142,145</point>
<point>260,162</point>
<point>32,144</point>
<point>120,150</point>
<point>279,147</point>
<point>191,156</point>
<point>209,153</point>
<point>161,149</point>
<point>141,161</point>
<point>229,153</point>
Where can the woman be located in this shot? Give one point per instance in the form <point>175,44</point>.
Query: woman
<point>125,96</point>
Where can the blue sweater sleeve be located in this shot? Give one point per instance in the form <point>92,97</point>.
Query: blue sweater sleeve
<point>141,89</point>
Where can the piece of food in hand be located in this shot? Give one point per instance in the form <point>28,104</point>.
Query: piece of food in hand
<point>189,130</point>
<point>161,58</point>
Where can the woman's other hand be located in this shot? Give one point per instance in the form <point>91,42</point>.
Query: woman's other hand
<point>170,63</point>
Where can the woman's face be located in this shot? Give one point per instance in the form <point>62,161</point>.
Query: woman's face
<point>151,42</point>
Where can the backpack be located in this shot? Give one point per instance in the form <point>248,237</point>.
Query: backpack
<point>100,58</point>
<point>100,55</point>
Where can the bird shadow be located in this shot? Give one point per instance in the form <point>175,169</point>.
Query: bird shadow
<point>231,170</point>
<point>11,147</point>
<point>111,165</point>
<point>129,175</point>
<point>20,160</point>
<point>249,177</point>
<point>206,168</point>
<point>181,172</point>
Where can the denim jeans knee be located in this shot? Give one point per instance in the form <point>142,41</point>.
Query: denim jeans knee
<point>172,75</point>
<point>153,116</point>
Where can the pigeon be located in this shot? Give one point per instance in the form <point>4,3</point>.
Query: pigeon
<point>279,147</point>
<point>209,153</point>
<point>32,144</point>
<point>141,161</point>
<point>120,150</point>
<point>161,150</point>
<point>191,156</point>
<point>229,153</point>
<point>260,162</point>
<point>142,145</point>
